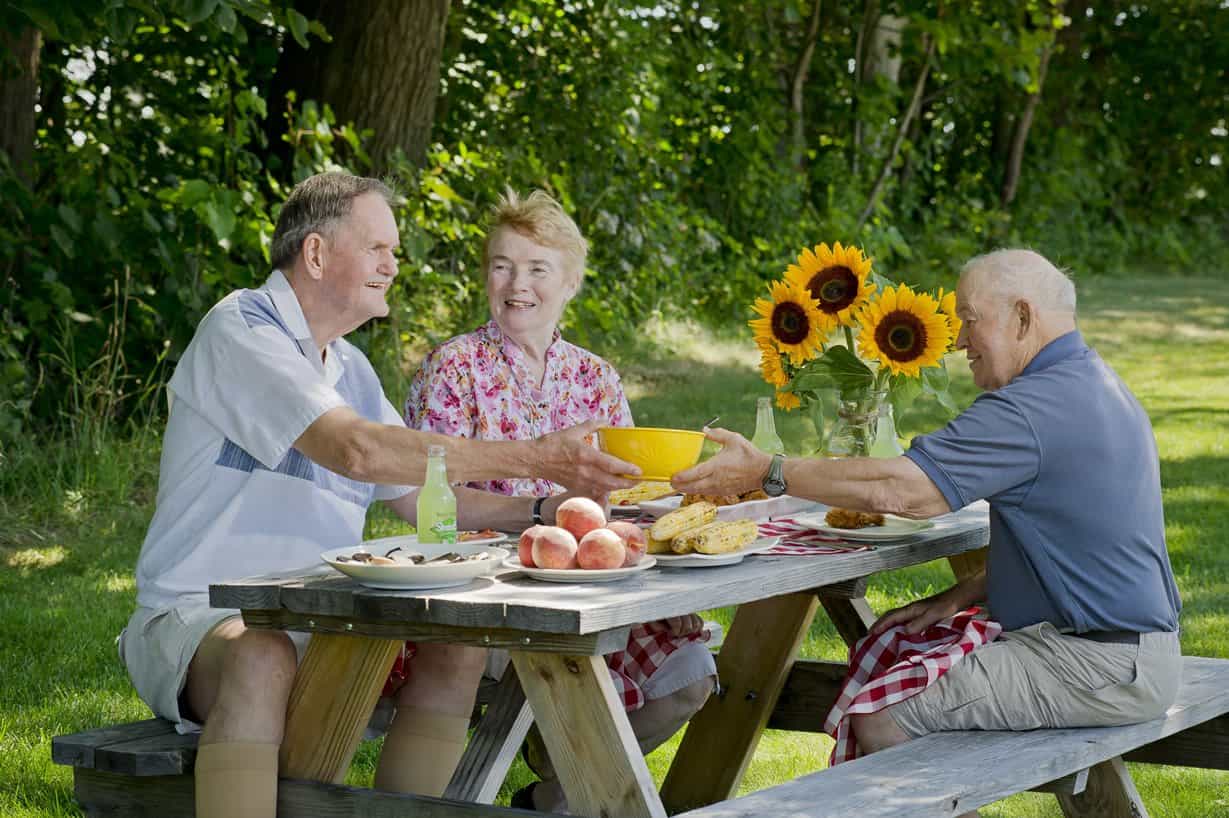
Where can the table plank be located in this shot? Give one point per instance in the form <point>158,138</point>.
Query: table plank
<point>512,601</point>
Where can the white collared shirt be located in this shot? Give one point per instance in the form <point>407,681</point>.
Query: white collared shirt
<point>234,497</point>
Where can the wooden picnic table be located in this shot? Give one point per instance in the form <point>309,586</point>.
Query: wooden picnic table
<point>557,635</point>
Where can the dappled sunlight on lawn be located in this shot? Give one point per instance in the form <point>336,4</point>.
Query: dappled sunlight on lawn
<point>34,558</point>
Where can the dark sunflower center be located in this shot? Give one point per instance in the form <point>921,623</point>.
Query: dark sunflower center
<point>835,288</point>
<point>790,324</point>
<point>901,335</point>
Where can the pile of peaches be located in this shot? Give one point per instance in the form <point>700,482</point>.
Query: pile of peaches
<point>582,539</point>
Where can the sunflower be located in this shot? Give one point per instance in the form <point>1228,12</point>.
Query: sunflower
<point>904,330</point>
<point>790,321</point>
<point>787,400</point>
<point>837,279</point>
<point>947,306</point>
<point>772,368</point>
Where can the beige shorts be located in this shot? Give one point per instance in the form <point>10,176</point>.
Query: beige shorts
<point>157,647</point>
<point>1037,677</point>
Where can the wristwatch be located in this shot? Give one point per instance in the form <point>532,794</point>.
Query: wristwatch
<point>774,481</point>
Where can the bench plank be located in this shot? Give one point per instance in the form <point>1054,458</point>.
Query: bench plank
<point>171,754</point>
<point>111,794</point>
<point>944,774</point>
<point>78,749</point>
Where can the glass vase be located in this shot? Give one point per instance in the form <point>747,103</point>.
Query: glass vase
<point>864,427</point>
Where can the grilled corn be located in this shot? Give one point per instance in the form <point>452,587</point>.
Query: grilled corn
<point>683,519</point>
<point>649,490</point>
<point>717,538</point>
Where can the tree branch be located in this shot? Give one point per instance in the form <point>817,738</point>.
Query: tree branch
<point>1015,159</point>
<point>798,83</point>
<point>915,105</point>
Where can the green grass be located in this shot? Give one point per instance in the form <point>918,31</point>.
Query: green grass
<point>73,514</point>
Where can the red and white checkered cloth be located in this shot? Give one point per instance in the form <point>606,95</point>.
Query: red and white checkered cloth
<point>893,666</point>
<point>803,541</point>
<point>648,645</point>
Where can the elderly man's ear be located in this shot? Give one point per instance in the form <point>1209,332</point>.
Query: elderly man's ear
<point>313,255</point>
<point>1024,314</point>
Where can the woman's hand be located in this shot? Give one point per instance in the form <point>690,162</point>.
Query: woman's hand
<point>568,458</point>
<point>739,467</point>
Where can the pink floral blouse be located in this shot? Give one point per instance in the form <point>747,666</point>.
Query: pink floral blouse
<point>478,385</point>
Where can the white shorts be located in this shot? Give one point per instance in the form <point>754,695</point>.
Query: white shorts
<point>157,647</point>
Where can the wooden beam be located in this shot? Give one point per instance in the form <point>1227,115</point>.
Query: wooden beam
<point>810,691</point>
<point>593,644</point>
<point>493,746</point>
<point>173,796</point>
<point>967,564</point>
<point>1073,784</point>
<point>587,735</point>
<point>1110,794</point>
<point>1204,745</point>
<point>753,665</point>
<point>852,617</point>
<point>849,589</point>
<point>331,701</point>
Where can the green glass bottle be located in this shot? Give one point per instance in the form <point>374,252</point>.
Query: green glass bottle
<point>437,505</point>
<point>765,438</point>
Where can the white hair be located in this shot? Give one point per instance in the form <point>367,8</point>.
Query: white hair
<point>1015,273</point>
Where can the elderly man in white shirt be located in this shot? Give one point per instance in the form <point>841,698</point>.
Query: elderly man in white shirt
<point>279,437</point>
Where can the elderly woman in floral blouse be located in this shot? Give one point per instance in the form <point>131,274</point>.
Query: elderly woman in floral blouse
<point>515,378</point>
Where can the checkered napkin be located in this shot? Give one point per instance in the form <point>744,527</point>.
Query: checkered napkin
<point>796,539</point>
<point>648,645</point>
<point>893,666</point>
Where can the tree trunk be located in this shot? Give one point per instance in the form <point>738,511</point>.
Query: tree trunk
<point>870,14</point>
<point>1011,177</point>
<point>914,105</point>
<point>18,93</point>
<point>381,70</point>
<point>798,84</point>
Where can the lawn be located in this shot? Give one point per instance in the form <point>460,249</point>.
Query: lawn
<point>73,513</point>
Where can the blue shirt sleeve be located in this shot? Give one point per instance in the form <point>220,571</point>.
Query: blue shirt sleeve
<point>990,452</point>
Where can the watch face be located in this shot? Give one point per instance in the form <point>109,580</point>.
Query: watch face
<point>774,488</point>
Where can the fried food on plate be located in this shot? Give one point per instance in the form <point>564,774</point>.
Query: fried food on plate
<point>847,518</point>
<point>724,499</point>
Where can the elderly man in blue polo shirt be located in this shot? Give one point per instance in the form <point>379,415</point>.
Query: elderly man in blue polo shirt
<point>1078,572</point>
<point>279,437</point>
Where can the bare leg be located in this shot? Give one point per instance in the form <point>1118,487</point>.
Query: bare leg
<point>427,736</point>
<point>879,731</point>
<point>652,724</point>
<point>238,685</point>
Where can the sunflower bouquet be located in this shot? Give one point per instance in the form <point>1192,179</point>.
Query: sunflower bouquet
<point>832,324</point>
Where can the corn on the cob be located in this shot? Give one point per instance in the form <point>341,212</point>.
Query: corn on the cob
<point>681,519</point>
<point>717,538</point>
<point>659,546</point>
<point>649,490</point>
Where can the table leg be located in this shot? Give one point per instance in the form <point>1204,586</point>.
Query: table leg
<point>852,617</point>
<point>753,665</point>
<point>969,563</point>
<point>334,693</point>
<point>1109,793</point>
<point>588,736</point>
<point>493,747</point>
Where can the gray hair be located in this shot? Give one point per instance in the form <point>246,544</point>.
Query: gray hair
<point>317,205</point>
<point>1016,273</point>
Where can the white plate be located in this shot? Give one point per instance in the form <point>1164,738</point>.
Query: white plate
<point>415,577</point>
<point>484,540</point>
<point>714,560</point>
<point>893,528</point>
<point>750,510</point>
<point>581,574</point>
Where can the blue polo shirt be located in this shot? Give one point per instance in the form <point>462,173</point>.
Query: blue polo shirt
<point>1066,458</point>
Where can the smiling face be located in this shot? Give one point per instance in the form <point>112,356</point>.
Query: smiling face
<point>359,262</point>
<point>990,334</point>
<point>527,285</point>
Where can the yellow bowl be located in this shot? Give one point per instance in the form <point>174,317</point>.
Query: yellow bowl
<point>660,453</point>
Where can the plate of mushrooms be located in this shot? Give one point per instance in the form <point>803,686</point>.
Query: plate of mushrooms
<point>403,563</point>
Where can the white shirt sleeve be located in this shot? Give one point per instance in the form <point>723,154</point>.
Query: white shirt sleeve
<point>252,383</point>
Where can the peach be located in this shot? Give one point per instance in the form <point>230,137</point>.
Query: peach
<point>579,515</point>
<point>554,547</point>
<point>634,540</point>
<point>525,548</point>
<point>601,548</point>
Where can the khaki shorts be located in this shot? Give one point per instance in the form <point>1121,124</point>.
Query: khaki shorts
<point>157,647</point>
<point>1037,677</point>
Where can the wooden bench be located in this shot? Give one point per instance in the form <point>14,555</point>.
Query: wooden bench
<point>145,768</point>
<point>946,774</point>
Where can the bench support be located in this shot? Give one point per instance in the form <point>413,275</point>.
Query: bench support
<point>494,744</point>
<point>1110,794</point>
